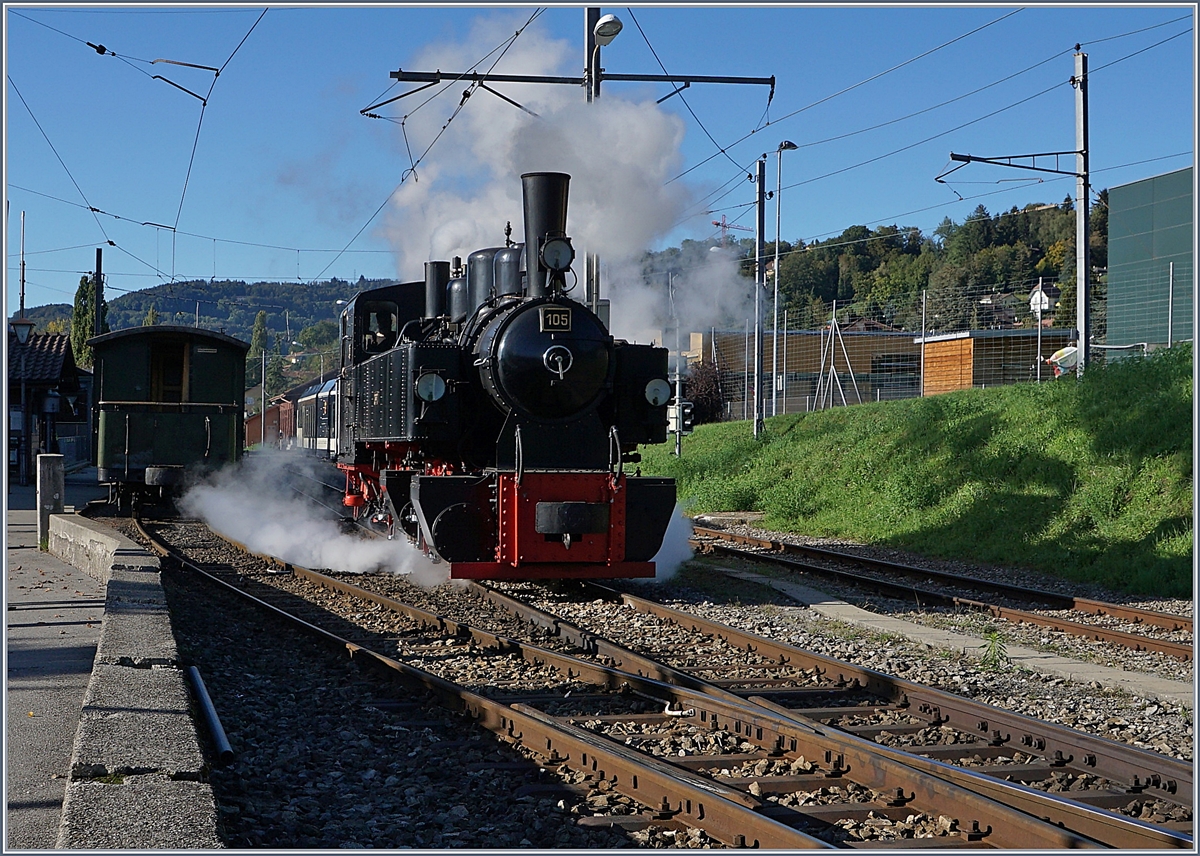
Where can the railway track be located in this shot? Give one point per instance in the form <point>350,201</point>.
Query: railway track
<point>751,761</point>
<point>915,585</point>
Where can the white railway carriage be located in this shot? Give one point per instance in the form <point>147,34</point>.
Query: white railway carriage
<point>317,420</point>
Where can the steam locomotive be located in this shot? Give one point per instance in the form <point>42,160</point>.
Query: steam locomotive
<point>491,417</point>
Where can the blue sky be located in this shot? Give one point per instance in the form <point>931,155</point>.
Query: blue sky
<point>289,182</point>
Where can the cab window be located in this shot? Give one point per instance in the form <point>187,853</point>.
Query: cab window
<point>379,321</point>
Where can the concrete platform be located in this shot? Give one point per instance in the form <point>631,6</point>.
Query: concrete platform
<point>107,754</point>
<point>52,625</point>
<point>156,814</point>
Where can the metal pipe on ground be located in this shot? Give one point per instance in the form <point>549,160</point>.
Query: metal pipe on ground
<point>220,741</point>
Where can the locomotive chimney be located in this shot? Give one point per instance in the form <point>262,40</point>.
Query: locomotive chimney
<point>437,276</point>
<point>545,201</point>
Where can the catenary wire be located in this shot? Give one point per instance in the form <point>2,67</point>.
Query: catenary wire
<point>791,186</point>
<point>974,121</point>
<point>199,125</point>
<point>850,89</point>
<point>185,233</point>
<point>654,53</point>
<point>438,136</point>
<point>1092,71</point>
<point>45,136</point>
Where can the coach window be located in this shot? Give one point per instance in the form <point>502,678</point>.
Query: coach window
<point>168,372</point>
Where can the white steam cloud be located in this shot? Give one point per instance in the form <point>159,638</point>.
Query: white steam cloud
<point>621,155</point>
<point>254,503</point>
<point>675,549</point>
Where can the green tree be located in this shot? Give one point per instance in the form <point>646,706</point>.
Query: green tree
<point>1098,232</point>
<point>948,308</point>
<point>976,234</point>
<point>259,342</point>
<point>319,337</point>
<point>83,320</point>
<point>276,382</point>
<point>151,317</point>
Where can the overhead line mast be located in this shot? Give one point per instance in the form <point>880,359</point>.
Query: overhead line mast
<point>1082,173</point>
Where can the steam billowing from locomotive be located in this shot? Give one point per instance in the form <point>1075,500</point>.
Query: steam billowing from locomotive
<point>486,411</point>
<point>623,152</point>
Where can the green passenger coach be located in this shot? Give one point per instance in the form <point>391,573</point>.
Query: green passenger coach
<point>169,400</point>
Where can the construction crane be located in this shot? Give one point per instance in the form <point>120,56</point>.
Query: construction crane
<point>726,226</point>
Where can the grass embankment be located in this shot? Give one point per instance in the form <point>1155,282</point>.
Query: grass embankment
<point>1088,480</point>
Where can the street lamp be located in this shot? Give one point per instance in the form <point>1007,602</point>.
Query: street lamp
<point>606,29</point>
<point>22,327</point>
<point>785,146</point>
<point>598,32</point>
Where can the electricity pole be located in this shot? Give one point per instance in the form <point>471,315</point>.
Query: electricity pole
<point>98,296</point>
<point>760,179</point>
<point>1083,294</point>
<point>1083,309</point>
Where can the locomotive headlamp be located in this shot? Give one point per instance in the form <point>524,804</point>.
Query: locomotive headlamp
<point>557,254</point>
<point>430,387</point>
<point>658,392</point>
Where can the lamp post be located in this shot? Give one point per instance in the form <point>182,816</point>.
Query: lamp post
<point>22,327</point>
<point>760,174</point>
<point>785,146</point>
<point>598,32</point>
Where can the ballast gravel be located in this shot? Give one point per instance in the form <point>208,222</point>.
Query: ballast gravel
<point>1089,707</point>
<point>980,625</point>
<point>330,758</point>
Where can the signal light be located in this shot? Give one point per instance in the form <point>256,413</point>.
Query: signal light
<point>686,419</point>
<point>679,418</point>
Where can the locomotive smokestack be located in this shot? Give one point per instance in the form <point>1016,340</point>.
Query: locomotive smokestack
<point>545,201</point>
<point>437,275</point>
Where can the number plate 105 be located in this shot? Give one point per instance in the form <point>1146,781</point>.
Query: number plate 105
<point>555,319</point>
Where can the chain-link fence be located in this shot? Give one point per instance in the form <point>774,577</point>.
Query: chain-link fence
<point>827,354</point>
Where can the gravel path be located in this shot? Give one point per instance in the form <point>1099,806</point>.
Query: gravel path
<point>979,625</point>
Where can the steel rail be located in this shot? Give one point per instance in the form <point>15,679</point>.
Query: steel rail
<point>1133,641</point>
<point>1169,777</point>
<point>736,814</point>
<point>706,804</point>
<point>1046,739</point>
<point>1140,768</point>
<point>1165,620</point>
<point>795,734</point>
